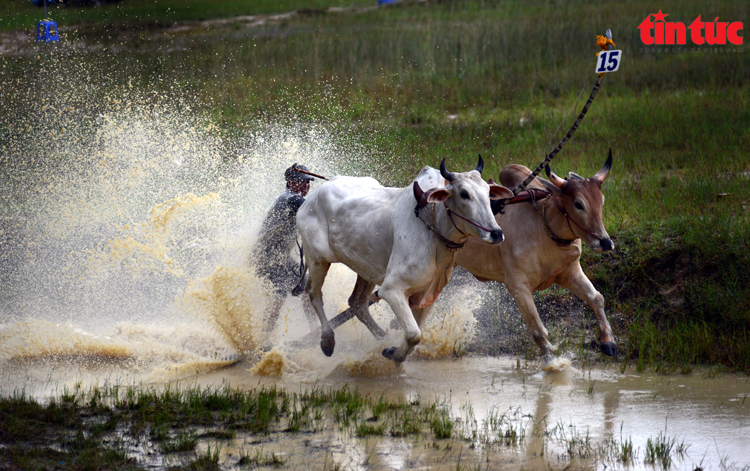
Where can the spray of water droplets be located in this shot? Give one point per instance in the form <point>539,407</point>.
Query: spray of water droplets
<point>128,222</point>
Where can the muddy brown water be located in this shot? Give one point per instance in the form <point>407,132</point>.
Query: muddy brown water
<point>708,414</point>
<point>550,408</point>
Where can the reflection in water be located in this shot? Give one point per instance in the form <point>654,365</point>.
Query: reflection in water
<point>611,406</point>
<point>560,415</point>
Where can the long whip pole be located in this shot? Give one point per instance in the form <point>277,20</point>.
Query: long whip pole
<point>562,142</point>
<point>608,45</point>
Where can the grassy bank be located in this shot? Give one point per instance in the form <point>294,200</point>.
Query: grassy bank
<point>134,428</point>
<point>418,82</point>
<point>683,287</point>
<point>119,427</point>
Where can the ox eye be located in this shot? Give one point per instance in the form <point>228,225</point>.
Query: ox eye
<point>579,206</point>
<point>465,195</point>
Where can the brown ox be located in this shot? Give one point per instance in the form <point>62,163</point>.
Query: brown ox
<point>534,256</point>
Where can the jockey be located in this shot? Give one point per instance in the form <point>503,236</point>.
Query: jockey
<point>277,241</point>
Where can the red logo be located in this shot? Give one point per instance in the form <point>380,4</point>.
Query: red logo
<point>711,33</point>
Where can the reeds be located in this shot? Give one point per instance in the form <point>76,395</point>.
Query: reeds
<point>126,424</point>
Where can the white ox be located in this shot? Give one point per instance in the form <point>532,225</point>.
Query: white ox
<point>530,260</point>
<point>373,230</point>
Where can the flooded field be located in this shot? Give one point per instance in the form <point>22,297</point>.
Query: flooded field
<point>126,231</point>
<point>505,413</point>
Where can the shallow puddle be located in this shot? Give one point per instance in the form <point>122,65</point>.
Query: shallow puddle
<point>561,416</point>
<point>710,417</point>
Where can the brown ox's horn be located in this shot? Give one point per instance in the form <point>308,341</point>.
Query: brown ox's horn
<point>445,173</point>
<point>480,165</point>
<point>557,181</point>
<point>601,175</point>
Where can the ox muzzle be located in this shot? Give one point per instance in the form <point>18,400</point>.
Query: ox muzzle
<point>496,236</point>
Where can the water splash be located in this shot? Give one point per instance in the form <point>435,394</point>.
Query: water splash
<point>232,300</point>
<point>273,363</point>
<point>128,223</point>
<point>129,212</point>
<point>373,365</point>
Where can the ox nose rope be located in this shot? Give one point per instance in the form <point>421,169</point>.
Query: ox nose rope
<point>555,238</point>
<point>450,216</point>
<point>449,244</point>
<point>565,213</point>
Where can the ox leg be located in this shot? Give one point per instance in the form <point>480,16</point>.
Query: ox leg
<point>525,301</point>
<point>310,314</point>
<point>577,282</point>
<point>314,289</point>
<point>420,315</point>
<point>396,298</point>
<point>272,313</point>
<point>359,301</point>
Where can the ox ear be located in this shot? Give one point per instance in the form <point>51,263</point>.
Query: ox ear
<point>498,192</point>
<point>557,181</point>
<point>549,186</point>
<point>438,196</point>
<point>574,176</point>
<point>601,175</point>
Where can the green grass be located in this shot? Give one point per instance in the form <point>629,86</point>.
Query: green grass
<point>415,83</point>
<point>258,458</point>
<point>683,286</point>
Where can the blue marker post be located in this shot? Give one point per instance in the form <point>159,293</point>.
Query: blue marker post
<point>46,30</point>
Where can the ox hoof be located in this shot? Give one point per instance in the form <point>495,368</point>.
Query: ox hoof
<point>609,349</point>
<point>389,353</point>
<point>327,344</point>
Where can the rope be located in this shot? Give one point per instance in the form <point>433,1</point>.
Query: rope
<point>449,244</point>
<point>604,43</point>
<point>555,238</point>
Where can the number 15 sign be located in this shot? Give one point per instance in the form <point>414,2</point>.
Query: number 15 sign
<point>609,61</point>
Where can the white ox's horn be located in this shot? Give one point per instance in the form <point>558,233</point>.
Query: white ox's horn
<point>445,173</point>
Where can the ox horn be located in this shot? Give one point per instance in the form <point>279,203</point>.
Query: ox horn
<point>601,175</point>
<point>445,173</point>
<point>480,165</point>
<point>557,181</point>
